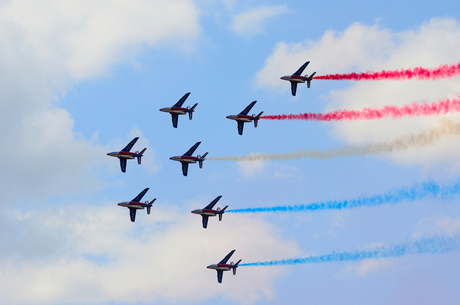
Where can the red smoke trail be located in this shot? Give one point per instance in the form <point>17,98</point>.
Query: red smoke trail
<point>443,71</point>
<point>441,107</point>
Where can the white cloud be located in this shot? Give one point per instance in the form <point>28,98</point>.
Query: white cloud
<point>250,168</point>
<point>95,254</point>
<point>252,22</point>
<point>362,48</point>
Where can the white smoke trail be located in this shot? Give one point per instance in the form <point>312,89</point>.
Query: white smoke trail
<point>426,137</point>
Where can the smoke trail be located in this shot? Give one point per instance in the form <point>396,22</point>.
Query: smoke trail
<point>423,138</point>
<point>441,107</point>
<point>416,192</point>
<point>433,245</point>
<point>443,71</point>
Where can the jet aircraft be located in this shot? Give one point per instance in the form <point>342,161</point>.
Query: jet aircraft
<point>297,78</point>
<point>135,204</point>
<point>223,266</point>
<point>187,158</point>
<point>207,212</point>
<point>177,110</point>
<point>125,154</point>
<point>243,117</point>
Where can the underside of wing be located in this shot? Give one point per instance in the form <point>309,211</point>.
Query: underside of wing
<point>240,127</point>
<point>138,198</point>
<point>184,168</point>
<point>298,72</point>
<point>205,221</point>
<point>175,118</point>
<point>132,214</point>
<point>220,274</point>
<point>225,260</point>
<point>212,204</point>
<point>123,165</point>
<point>293,88</point>
<point>248,108</point>
<point>182,100</point>
<point>192,149</point>
<point>130,144</point>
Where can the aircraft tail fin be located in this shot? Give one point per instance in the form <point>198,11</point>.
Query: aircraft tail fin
<point>139,155</point>
<point>310,78</point>
<point>221,212</point>
<point>150,205</point>
<point>202,159</point>
<point>235,266</point>
<point>190,114</point>
<point>256,118</point>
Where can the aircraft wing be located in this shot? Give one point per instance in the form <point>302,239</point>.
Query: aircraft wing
<point>192,149</point>
<point>298,72</point>
<point>130,145</point>
<point>212,204</point>
<point>132,214</point>
<point>240,127</point>
<point>123,164</point>
<point>184,168</point>
<point>220,274</point>
<point>224,261</point>
<point>205,221</point>
<point>175,118</point>
<point>293,88</point>
<point>248,108</point>
<point>141,194</point>
<point>182,100</point>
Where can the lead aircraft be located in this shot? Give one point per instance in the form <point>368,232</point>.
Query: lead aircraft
<point>187,158</point>
<point>125,154</point>
<point>135,204</point>
<point>297,78</point>
<point>223,266</point>
<point>207,212</point>
<point>177,110</point>
<point>243,117</point>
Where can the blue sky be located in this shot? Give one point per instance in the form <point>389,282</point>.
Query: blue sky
<point>82,79</point>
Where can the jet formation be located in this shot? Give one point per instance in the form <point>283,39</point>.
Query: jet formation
<point>243,117</point>
<point>125,154</point>
<point>187,158</point>
<point>296,78</point>
<point>223,266</point>
<point>136,204</point>
<point>207,212</point>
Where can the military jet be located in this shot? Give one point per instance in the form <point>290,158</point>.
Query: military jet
<point>207,212</point>
<point>135,204</point>
<point>125,154</point>
<point>243,117</point>
<point>187,158</point>
<point>297,78</point>
<point>177,110</point>
<point>223,266</point>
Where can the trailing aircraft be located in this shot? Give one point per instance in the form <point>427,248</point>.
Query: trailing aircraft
<point>243,117</point>
<point>297,78</point>
<point>177,110</point>
<point>207,212</point>
<point>125,154</point>
<point>223,266</point>
<point>135,204</point>
<point>187,158</point>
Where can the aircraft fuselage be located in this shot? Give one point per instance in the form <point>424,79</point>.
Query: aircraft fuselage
<point>188,159</point>
<point>240,117</point>
<point>175,110</point>
<point>206,212</point>
<point>133,205</point>
<point>223,267</point>
<point>122,154</point>
<point>295,78</point>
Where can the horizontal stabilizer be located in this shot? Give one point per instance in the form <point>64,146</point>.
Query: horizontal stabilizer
<point>310,78</point>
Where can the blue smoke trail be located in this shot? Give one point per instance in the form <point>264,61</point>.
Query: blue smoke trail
<point>433,245</point>
<point>416,192</point>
